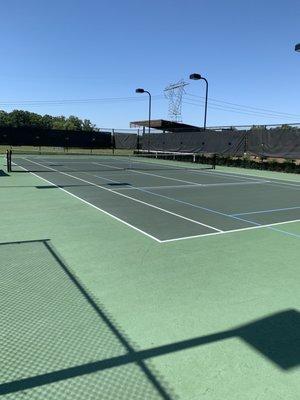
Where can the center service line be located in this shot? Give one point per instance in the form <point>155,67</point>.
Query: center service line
<point>128,197</point>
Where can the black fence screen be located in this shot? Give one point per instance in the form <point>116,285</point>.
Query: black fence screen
<point>56,138</point>
<point>263,143</point>
<point>126,141</point>
<point>279,142</point>
<point>223,143</point>
<point>274,143</point>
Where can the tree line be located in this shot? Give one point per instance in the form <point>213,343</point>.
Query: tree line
<point>26,119</point>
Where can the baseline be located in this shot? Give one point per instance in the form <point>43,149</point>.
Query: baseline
<point>238,230</point>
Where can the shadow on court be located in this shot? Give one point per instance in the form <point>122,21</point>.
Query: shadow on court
<point>45,302</point>
<point>60,332</point>
<point>68,170</point>
<point>54,186</point>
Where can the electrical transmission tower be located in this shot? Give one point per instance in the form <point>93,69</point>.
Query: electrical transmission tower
<point>174,93</point>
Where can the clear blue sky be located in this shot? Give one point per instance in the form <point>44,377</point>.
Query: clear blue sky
<point>92,49</point>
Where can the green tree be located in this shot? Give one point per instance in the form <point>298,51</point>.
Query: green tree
<point>4,119</point>
<point>59,123</point>
<point>73,123</point>
<point>88,126</point>
<point>284,127</point>
<point>47,121</point>
<point>258,127</point>
<point>21,119</point>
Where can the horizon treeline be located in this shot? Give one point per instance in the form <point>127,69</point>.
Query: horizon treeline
<point>27,119</point>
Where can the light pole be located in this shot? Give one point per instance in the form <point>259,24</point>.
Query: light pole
<point>197,77</point>
<point>139,90</point>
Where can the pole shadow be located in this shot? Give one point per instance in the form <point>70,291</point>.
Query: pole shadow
<point>275,337</point>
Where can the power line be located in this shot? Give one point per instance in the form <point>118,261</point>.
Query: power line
<point>244,106</point>
<point>79,101</point>
<point>214,104</point>
<point>241,110</point>
<point>235,111</point>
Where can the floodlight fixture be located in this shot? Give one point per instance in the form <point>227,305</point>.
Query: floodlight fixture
<point>140,90</point>
<point>197,77</point>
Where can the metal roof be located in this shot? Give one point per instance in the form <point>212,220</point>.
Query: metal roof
<point>164,125</point>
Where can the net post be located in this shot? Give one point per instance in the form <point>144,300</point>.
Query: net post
<point>194,157</point>
<point>113,144</point>
<point>8,160</point>
<point>214,161</point>
<point>138,140</point>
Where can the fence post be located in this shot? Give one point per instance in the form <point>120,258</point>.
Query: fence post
<point>7,160</point>
<point>138,140</point>
<point>113,141</point>
<point>148,140</point>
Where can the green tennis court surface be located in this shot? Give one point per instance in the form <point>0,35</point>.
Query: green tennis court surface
<point>148,282</point>
<point>170,202</point>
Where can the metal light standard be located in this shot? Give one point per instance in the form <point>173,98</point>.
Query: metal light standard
<point>197,77</point>
<point>149,117</point>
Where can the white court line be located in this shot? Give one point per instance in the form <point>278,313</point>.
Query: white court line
<point>150,174</point>
<point>166,177</point>
<point>154,187</point>
<point>229,175</point>
<point>238,175</point>
<point>271,181</point>
<point>265,211</point>
<point>285,185</point>
<point>234,183</point>
<point>233,175</point>
<point>193,205</point>
<point>145,233</point>
<point>128,197</point>
<point>230,231</point>
<point>201,185</point>
<point>92,205</point>
<point>204,208</point>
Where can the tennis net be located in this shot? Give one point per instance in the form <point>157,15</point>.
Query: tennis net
<point>153,160</point>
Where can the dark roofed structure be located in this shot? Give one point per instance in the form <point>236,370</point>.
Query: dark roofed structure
<point>164,125</point>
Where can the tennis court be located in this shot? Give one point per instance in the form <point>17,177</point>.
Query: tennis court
<point>150,278</point>
<point>169,200</point>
